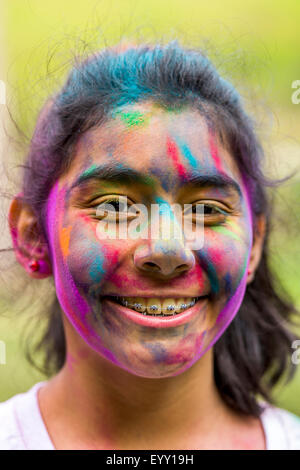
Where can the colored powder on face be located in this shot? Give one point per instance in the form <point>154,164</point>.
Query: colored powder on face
<point>235,226</point>
<point>165,178</point>
<point>215,153</point>
<point>96,269</point>
<point>187,153</point>
<point>164,207</point>
<point>87,172</point>
<point>244,267</point>
<point>133,118</point>
<point>61,272</point>
<point>149,181</point>
<point>172,152</point>
<point>158,352</point>
<point>175,109</point>
<point>207,264</point>
<point>228,284</point>
<point>64,240</point>
<point>232,306</point>
<point>225,231</point>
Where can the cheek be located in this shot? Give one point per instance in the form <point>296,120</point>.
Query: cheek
<point>89,259</point>
<point>224,258</point>
<point>85,261</point>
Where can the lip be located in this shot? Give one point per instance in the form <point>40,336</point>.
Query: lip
<point>155,296</point>
<point>158,321</point>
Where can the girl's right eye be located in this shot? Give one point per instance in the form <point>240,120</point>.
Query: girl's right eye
<point>117,204</point>
<point>115,208</point>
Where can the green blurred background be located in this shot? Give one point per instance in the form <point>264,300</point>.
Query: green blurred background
<point>255,44</point>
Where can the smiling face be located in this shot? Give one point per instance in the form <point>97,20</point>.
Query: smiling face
<point>150,156</point>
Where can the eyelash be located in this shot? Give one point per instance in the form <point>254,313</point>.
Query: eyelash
<point>109,201</point>
<point>219,212</point>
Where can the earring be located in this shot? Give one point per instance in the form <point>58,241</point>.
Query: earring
<point>249,271</point>
<point>34,265</point>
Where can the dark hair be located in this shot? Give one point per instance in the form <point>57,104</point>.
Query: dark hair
<point>258,340</point>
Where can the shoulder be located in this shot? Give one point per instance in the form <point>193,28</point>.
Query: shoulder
<point>9,435</point>
<point>21,425</point>
<point>281,427</point>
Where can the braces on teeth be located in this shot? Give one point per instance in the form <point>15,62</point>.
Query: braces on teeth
<point>154,308</point>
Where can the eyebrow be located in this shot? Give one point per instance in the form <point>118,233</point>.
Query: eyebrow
<point>206,177</point>
<point>119,173</point>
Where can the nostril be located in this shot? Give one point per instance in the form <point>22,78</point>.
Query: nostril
<point>152,266</point>
<point>181,267</point>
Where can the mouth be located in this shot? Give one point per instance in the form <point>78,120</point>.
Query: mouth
<point>158,312</point>
<point>156,306</point>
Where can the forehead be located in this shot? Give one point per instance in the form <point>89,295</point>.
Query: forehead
<point>153,139</point>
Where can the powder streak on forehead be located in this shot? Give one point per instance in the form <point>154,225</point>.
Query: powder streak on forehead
<point>186,152</point>
<point>172,152</point>
<point>214,152</point>
<point>132,118</point>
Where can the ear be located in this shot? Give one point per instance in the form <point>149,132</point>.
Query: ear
<point>257,247</point>
<point>29,243</point>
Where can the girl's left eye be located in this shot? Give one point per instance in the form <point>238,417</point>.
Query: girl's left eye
<point>210,210</point>
<point>211,213</point>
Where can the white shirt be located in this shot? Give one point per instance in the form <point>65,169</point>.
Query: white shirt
<point>22,426</point>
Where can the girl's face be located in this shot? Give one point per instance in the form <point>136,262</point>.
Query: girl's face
<point>156,157</point>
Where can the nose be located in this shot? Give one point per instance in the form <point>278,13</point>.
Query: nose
<point>163,258</point>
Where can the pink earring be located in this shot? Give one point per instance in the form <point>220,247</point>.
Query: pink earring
<point>249,271</point>
<point>34,265</point>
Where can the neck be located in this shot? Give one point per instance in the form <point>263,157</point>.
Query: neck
<point>111,408</point>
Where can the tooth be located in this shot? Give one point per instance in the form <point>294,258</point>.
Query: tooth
<point>139,304</point>
<point>123,301</point>
<point>168,306</point>
<point>183,306</point>
<point>178,304</point>
<point>130,301</point>
<point>189,302</point>
<point>154,302</point>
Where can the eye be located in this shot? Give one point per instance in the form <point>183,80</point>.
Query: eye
<point>211,213</point>
<point>115,208</point>
<point>117,204</point>
<point>210,210</point>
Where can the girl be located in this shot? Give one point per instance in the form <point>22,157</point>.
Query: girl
<point>156,343</point>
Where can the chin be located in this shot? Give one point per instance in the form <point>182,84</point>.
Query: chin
<point>159,372</point>
<point>172,367</point>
